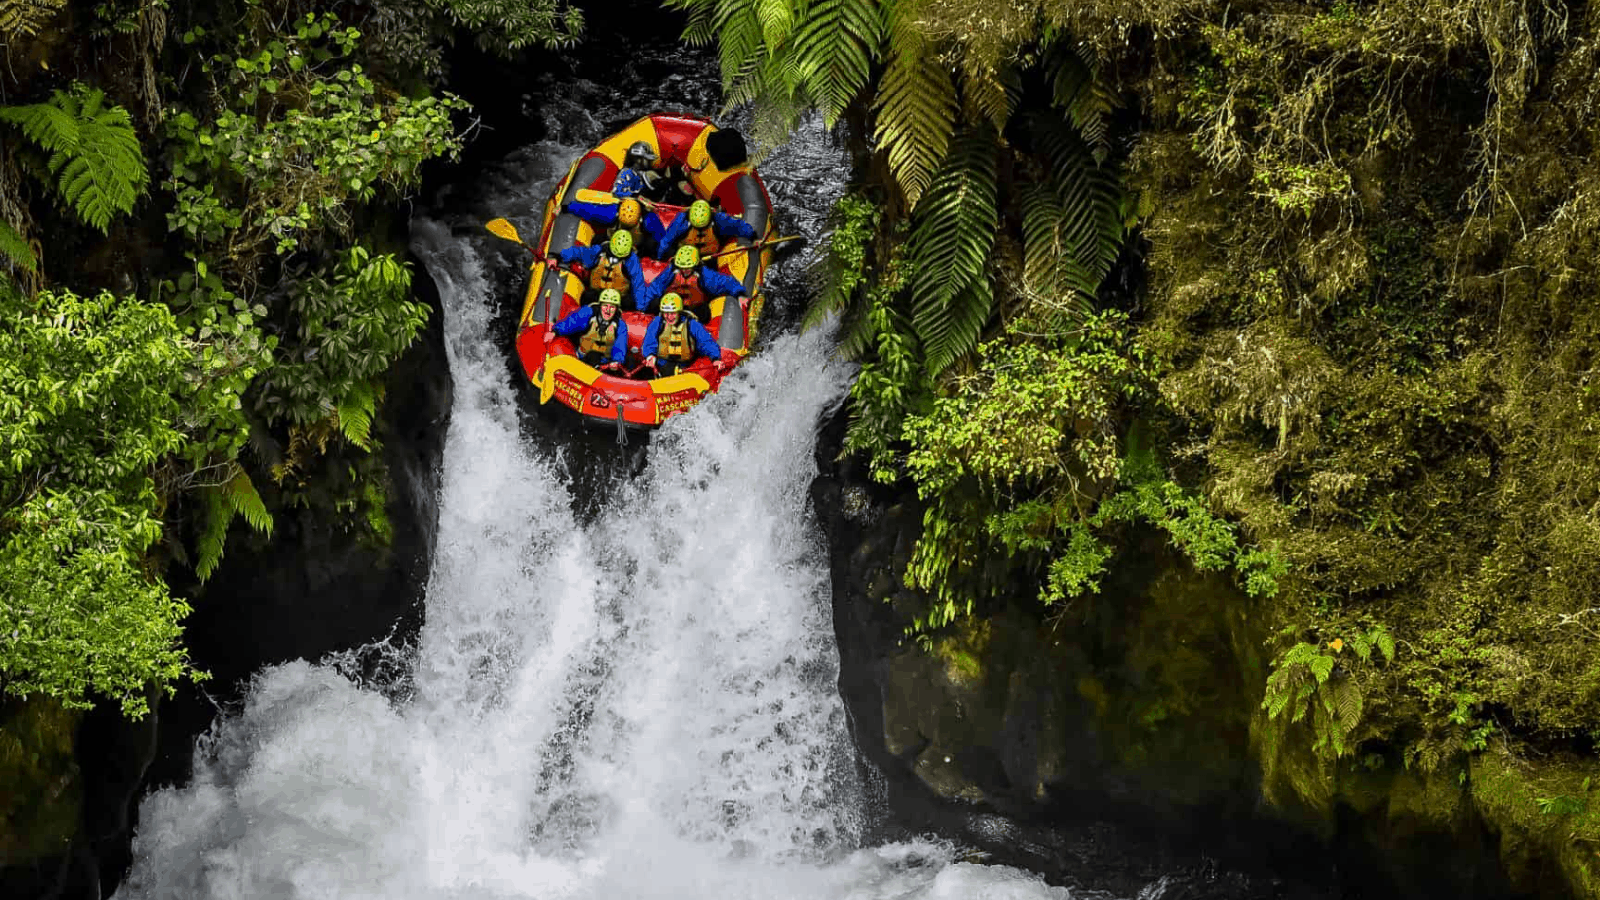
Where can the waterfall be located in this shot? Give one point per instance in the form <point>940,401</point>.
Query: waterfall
<point>641,705</point>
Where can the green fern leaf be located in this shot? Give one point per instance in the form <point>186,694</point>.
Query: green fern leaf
<point>777,21</point>
<point>355,415</point>
<point>992,94</point>
<point>1091,196</point>
<point>16,248</point>
<point>240,494</point>
<point>834,48</point>
<point>1086,99</point>
<point>952,234</point>
<point>94,152</point>
<point>215,516</point>
<point>1385,642</point>
<point>916,115</point>
<point>1349,704</point>
<point>738,41</point>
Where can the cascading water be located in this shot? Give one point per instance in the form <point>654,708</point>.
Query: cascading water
<point>639,706</point>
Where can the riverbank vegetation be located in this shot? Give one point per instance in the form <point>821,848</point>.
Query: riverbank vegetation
<point>1307,286</point>
<point>200,296</point>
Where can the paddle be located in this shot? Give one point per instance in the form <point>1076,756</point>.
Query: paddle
<point>500,228</point>
<point>758,246</point>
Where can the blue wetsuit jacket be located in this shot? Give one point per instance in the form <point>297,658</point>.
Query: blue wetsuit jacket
<point>722,223</point>
<point>577,322</point>
<point>590,255</point>
<point>703,341</point>
<point>712,283</point>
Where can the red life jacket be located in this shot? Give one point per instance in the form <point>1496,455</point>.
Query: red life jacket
<point>686,284</point>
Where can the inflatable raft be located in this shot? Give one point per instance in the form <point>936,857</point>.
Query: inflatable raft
<point>714,169</point>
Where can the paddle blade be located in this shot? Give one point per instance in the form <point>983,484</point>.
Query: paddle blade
<point>502,229</point>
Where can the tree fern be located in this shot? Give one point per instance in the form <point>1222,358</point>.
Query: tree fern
<point>951,237</point>
<point>915,107</point>
<point>1091,201</point>
<point>834,48</point>
<point>777,21</point>
<point>1085,99</point>
<point>94,152</point>
<point>991,93</point>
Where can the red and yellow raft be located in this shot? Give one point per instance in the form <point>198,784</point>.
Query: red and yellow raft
<point>554,369</point>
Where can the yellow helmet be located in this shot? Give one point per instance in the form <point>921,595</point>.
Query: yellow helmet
<point>628,212</point>
<point>687,257</point>
<point>621,243</point>
<point>671,302</point>
<point>699,214</point>
<point>610,297</point>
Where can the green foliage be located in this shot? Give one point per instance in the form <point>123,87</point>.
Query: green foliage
<point>14,247</point>
<point>303,133</point>
<point>93,152</point>
<point>89,407</point>
<point>507,26</point>
<point>916,104</point>
<point>353,319</point>
<point>951,237</point>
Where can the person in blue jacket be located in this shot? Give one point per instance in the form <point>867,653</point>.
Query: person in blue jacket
<point>604,335</point>
<point>612,264</point>
<point>634,177</point>
<point>703,229</point>
<point>697,284</point>
<point>674,339</point>
<point>627,215</point>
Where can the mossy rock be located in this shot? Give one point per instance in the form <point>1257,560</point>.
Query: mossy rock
<point>40,808</point>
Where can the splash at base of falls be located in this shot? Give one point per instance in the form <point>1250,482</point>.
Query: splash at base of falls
<point>643,705</point>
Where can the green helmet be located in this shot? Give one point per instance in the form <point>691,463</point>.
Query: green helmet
<point>699,214</point>
<point>687,257</point>
<point>671,302</point>
<point>621,243</point>
<point>610,297</point>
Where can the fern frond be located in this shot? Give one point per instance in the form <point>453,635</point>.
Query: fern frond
<point>1349,703</point>
<point>94,152</point>
<point>16,248</point>
<point>777,21</point>
<point>1086,98</point>
<point>701,27</point>
<point>240,494</point>
<point>916,115</point>
<point>355,415</point>
<point>24,18</point>
<point>992,94</point>
<point>738,40</point>
<point>1091,198</point>
<point>53,128</point>
<point>834,48</point>
<point>951,237</point>
<point>215,516</point>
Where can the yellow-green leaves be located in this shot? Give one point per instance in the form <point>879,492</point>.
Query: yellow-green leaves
<point>91,399</point>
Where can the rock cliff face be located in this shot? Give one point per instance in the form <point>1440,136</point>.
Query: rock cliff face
<point>1106,743</point>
